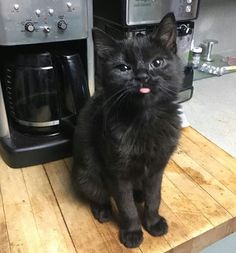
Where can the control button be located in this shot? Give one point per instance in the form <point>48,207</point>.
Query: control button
<point>29,27</point>
<point>188,8</point>
<point>46,29</point>
<point>189,1</point>
<point>62,25</point>
<point>69,5</point>
<point>51,11</point>
<point>16,7</point>
<point>38,12</point>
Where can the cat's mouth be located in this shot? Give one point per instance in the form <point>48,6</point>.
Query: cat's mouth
<point>141,89</point>
<point>144,90</point>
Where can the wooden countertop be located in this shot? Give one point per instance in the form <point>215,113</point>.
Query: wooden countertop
<point>38,212</point>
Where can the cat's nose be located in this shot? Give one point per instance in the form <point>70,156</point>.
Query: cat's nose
<point>142,77</point>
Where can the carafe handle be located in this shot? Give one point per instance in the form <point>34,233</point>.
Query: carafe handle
<point>74,90</point>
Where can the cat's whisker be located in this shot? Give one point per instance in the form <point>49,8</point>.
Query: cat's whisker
<point>167,89</point>
<point>109,99</point>
<point>121,96</point>
<point>113,95</point>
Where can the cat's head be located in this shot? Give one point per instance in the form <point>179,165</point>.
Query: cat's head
<point>145,68</point>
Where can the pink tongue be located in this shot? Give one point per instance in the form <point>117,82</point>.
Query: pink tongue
<point>144,90</point>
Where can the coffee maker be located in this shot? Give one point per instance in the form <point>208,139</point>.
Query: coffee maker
<point>46,76</point>
<point>129,18</point>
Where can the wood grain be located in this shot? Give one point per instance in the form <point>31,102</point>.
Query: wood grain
<point>178,233</point>
<point>22,229</point>
<point>207,181</point>
<point>211,149</point>
<point>184,209</point>
<point>4,240</point>
<point>39,213</point>
<point>209,163</point>
<point>209,207</point>
<point>50,223</point>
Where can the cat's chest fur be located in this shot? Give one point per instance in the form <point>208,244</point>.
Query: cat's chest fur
<point>135,139</point>
<point>143,140</point>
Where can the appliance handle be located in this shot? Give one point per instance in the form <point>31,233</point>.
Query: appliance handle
<point>74,75</point>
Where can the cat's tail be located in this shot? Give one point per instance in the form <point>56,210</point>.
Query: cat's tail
<point>89,183</point>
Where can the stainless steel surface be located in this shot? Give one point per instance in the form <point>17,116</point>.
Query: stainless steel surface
<point>4,130</point>
<point>29,22</point>
<point>38,124</point>
<point>151,11</point>
<point>90,51</point>
<point>210,44</point>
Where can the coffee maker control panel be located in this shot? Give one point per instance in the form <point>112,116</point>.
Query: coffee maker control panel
<point>41,21</point>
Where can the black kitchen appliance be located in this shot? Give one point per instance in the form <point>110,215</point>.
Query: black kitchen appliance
<point>128,18</point>
<point>45,74</point>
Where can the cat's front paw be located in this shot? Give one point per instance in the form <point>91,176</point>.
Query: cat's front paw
<point>131,239</point>
<point>157,229</point>
<point>103,213</point>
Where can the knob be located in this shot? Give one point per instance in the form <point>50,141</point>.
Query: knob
<point>62,25</point>
<point>69,5</point>
<point>29,27</point>
<point>51,11</point>
<point>16,7</point>
<point>38,12</point>
<point>46,29</point>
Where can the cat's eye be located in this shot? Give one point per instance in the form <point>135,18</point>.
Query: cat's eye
<point>157,63</point>
<point>123,67</point>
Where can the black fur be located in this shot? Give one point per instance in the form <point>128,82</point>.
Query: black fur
<point>124,138</point>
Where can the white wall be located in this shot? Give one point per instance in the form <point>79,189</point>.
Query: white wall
<point>217,20</point>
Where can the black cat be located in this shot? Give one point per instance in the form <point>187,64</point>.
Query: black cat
<point>128,130</point>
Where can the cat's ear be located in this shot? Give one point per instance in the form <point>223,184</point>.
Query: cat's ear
<point>103,43</point>
<point>166,31</point>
